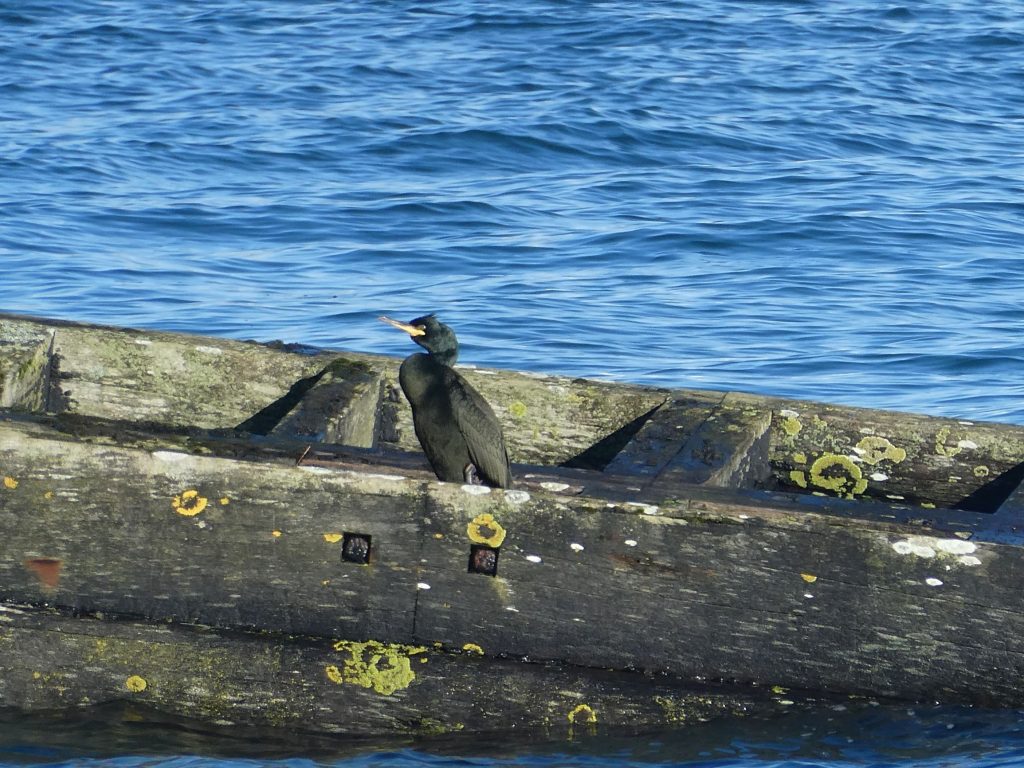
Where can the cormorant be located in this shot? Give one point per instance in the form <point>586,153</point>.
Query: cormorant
<point>456,427</point>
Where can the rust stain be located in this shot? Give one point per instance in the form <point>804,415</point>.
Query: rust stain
<point>46,569</point>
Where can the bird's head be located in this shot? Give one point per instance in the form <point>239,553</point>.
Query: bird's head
<point>431,334</point>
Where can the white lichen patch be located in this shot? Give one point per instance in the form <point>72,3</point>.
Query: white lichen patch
<point>316,470</point>
<point>930,546</point>
<point>630,542</point>
<point>786,413</point>
<point>517,497</point>
<point>422,585</point>
<point>209,350</point>
<point>647,509</point>
<point>879,477</point>
<point>576,547</point>
<point>931,581</point>
<point>379,476</point>
<point>476,490</point>
<point>968,444</point>
<point>554,487</point>
<point>534,558</point>
<point>170,455</point>
<point>908,547</point>
<point>956,546</point>
<point>143,342</point>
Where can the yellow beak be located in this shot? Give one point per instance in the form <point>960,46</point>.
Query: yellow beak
<point>412,330</point>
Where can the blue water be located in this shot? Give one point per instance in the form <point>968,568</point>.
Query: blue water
<point>819,199</point>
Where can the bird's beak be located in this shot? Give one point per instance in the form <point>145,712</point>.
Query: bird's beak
<point>412,330</point>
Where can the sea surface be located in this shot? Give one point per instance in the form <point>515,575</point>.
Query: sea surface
<point>821,199</point>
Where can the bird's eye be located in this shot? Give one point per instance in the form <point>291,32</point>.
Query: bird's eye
<point>422,328</point>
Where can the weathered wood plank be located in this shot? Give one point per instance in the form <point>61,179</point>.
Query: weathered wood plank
<point>323,685</point>
<point>104,530</point>
<point>664,435</point>
<point>342,406</point>
<point>24,365</point>
<point>895,457</point>
<point>795,603</point>
<point>183,381</point>
<point>170,379</point>
<point>164,534</point>
<point>728,450</point>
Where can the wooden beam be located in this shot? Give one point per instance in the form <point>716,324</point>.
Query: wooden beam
<point>342,406</point>
<point>24,365</point>
<point>661,439</point>
<point>728,450</point>
<point>366,687</point>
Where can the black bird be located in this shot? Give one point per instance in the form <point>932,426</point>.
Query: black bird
<point>456,427</point>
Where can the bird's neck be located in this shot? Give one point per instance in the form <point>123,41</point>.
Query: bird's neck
<point>446,356</point>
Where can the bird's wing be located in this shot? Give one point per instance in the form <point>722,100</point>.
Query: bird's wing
<point>482,431</point>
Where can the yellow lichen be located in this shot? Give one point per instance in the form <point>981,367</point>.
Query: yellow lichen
<point>873,449</point>
<point>10,483</point>
<point>583,713</point>
<point>332,538</point>
<point>839,474</point>
<point>791,426</point>
<point>517,410</point>
<point>799,458</point>
<point>473,648</point>
<point>949,451</point>
<point>384,667</point>
<point>798,477</point>
<point>810,578</point>
<point>189,503</point>
<point>674,711</point>
<point>981,471</point>
<point>484,529</point>
<point>224,501</point>
<point>136,684</point>
<point>276,534</point>
<point>428,726</point>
